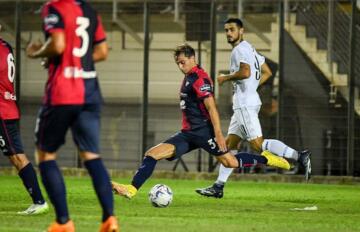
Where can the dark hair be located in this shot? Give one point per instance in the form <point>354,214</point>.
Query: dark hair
<point>238,22</point>
<point>185,49</point>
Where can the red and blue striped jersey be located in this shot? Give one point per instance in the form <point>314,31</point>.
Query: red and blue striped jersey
<point>195,87</point>
<point>72,76</point>
<point>8,107</point>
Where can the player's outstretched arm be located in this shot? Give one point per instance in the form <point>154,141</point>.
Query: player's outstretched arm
<point>215,120</point>
<point>53,46</point>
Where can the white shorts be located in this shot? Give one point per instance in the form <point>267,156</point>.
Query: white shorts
<point>245,123</point>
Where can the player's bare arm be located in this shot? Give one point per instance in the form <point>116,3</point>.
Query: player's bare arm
<point>243,73</point>
<point>265,73</point>
<point>100,52</point>
<point>53,46</point>
<point>215,119</point>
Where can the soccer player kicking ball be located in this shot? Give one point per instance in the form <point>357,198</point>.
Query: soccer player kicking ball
<point>10,141</point>
<point>75,40</point>
<point>247,70</point>
<point>200,128</point>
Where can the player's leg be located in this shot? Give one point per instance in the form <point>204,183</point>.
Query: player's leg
<point>53,181</point>
<point>102,185</point>
<point>28,176</point>
<point>272,160</point>
<point>236,132</point>
<point>170,149</point>
<point>281,149</point>
<point>241,159</point>
<point>232,141</point>
<point>252,123</point>
<point>11,145</point>
<point>159,152</point>
<point>86,134</point>
<point>217,188</point>
<point>251,130</point>
<point>52,124</point>
<point>244,159</point>
<point>206,140</point>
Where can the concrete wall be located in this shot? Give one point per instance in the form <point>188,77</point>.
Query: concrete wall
<point>122,74</point>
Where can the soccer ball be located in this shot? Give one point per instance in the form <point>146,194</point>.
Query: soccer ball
<point>160,196</point>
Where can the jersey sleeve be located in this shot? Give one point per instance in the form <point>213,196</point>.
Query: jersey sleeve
<point>241,56</point>
<point>203,88</point>
<point>261,59</point>
<point>100,35</point>
<point>52,20</point>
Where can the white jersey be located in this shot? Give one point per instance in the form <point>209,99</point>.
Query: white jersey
<point>245,93</point>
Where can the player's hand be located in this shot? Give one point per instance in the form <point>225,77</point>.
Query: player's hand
<point>220,140</point>
<point>32,48</point>
<point>221,79</point>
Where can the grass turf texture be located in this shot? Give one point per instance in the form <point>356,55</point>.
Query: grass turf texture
<point>246,206</point>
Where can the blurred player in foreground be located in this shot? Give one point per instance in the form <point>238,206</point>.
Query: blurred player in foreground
<point>75,40</point>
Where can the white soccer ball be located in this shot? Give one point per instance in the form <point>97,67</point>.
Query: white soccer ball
<point>160,195</point>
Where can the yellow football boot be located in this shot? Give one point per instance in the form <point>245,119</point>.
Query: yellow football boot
<point>276,161</point>
<point>126,190</point>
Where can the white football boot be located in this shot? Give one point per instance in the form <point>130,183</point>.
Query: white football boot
<point>35,209</point>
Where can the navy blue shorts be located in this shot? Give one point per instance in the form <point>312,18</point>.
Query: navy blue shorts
<point>10,141</point>
<point>54,121</point>
<point>186,141</point>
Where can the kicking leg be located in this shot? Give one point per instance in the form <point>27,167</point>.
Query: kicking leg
<point>159,152</point>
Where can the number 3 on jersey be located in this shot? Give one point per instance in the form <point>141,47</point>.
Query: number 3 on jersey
<point>11,67</point>
<point>83,23</point>
<point>212,143</point>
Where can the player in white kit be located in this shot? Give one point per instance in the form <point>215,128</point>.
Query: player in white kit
<point>248,70</point>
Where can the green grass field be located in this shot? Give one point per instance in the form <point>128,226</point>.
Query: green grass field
<point>247,206</point>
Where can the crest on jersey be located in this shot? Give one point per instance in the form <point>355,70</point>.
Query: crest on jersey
<point>51,19</point>
<point>205,87</point>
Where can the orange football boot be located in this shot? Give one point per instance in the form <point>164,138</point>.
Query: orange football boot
<point>110,225</point>
<point>67,227</point>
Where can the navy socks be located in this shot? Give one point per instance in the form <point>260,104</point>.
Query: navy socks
<point>29,179</point>
<point>55,187</point>
<point>144,172</point>
<point>101,182</point>
<point>249,160</point>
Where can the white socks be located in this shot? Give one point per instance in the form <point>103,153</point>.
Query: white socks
<point>224,172</point>
<point>274,146</point>
<point>279,148</point>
